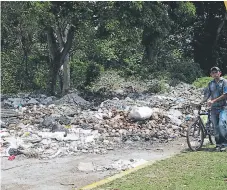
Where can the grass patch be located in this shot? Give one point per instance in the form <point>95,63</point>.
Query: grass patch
<point>203,82</point>
<point>187,171</point>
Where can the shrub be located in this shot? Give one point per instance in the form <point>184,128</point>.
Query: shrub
<point>84,73</point>
<point>203,82</point>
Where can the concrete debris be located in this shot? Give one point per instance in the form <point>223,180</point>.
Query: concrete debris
<point>44,127</point>
<point>86,167</point>
<point>122,165</point>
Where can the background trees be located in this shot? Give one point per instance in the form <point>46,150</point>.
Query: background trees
<point>55,45</point>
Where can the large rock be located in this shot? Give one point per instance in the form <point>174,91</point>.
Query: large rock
<point>46,101</point>
<point>140,113</point>
<point>32,101</point>
<point>72,99</point>
<point>15,102</point>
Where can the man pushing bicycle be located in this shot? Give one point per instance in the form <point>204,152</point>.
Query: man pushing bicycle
<point>217,92</point>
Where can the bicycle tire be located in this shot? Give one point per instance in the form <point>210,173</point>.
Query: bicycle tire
<point>193,125</point>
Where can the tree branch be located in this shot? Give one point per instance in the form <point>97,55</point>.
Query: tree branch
<point>53,49</point>
<point>219,30</point>
<point>59,36</point>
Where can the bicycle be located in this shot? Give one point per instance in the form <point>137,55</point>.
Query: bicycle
<point>199,131</point>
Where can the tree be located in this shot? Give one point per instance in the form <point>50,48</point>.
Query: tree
<point>210,35</point>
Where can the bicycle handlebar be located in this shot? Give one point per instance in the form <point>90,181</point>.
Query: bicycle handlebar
<point>199,107</point>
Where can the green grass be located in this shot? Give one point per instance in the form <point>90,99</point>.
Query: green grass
<point>188,171</point>
<point>203,82</point>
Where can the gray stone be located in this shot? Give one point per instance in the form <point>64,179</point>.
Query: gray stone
<point>48,121</point>
<point>33,101</point>
<point>46,101</point>
<point>17,101</point>
<point>63,120</point>
<point>72,99</point>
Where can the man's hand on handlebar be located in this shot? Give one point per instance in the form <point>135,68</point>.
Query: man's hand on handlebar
<point>210,102</point>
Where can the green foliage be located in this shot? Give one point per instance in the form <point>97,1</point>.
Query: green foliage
<point>84,73</point>
<point>203,82</point>
<point>158,86</point>
<point>9,84</point>
<point>112,80</point>
<point>78,73</point>
<point>164,41</point>
<point>93,71</point>
<point>41,77</point>
<point>186,71</point>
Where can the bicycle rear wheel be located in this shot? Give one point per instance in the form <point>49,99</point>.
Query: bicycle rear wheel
<point>195,136</point>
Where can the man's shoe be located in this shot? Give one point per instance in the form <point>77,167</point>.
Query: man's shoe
<point>223,147</point>
<point>218,147</point>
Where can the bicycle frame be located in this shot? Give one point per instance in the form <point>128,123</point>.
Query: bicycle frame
<point>204,128</point>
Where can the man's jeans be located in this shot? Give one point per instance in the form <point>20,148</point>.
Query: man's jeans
<point>219,119</point>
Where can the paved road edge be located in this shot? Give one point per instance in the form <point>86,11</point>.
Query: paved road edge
<point>122,174</point>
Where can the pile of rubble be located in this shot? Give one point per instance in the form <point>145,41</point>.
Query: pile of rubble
<point>45,127</point>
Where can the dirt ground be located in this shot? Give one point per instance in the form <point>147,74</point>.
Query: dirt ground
<point>63,174</point>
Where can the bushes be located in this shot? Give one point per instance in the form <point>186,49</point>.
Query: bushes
<point>78,73</point>
<point>41,77</point>
<point>9,84</point>
<point>84,73</point>
<point>203,82</point>
<point>93,71</point>
<point>185,71</point>
<point>112,80</point>
<point>158,86</point>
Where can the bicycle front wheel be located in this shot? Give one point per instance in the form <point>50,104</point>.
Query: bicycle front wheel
<point>195,136</point>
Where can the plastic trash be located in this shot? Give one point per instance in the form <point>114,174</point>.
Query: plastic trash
<point>11,157</point>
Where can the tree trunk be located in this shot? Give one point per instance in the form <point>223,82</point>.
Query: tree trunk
<point>214,48</point>
<point>58,53</point>
<point>66,66</point>
<point>66,75</point>
<point>53,74</point>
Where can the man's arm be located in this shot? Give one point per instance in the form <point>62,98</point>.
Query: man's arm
<point>222,97</point>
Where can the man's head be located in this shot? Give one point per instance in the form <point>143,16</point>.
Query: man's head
<point>215,72</point>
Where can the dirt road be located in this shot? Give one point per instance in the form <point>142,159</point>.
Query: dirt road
<point>63,173</point>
